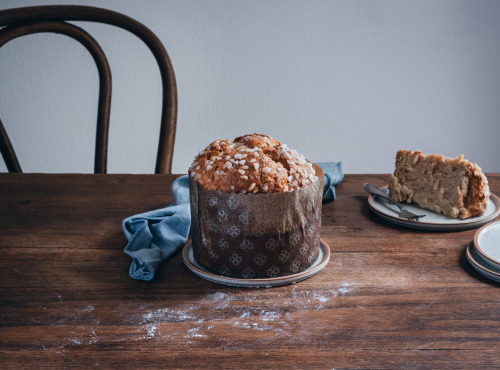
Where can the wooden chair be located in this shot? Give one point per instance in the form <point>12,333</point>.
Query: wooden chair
<point>24,21</point>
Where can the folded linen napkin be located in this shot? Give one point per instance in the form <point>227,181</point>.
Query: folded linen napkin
<point>155,235</point>
<point>333,176</point>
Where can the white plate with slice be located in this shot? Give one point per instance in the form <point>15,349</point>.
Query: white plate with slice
<point>197,269</point>
<point>433,221</point>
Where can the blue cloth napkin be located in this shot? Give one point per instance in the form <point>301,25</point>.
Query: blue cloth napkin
<point>155,235</point>
<point>333,176</point>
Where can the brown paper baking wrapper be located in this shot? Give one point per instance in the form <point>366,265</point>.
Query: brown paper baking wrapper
<point>256,235</point>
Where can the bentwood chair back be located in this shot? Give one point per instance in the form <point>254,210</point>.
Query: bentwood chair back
<point>54,18</point>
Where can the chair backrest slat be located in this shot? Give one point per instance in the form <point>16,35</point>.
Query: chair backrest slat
<point>53,18</point>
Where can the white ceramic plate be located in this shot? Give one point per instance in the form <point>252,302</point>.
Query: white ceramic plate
<point>196,268</point>
<point>480,265</point>
<point>487,242</point>
<point>433,221</point>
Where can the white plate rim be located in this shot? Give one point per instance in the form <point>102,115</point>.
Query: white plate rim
<point>197,269</point>
<point>484,255</point>
<point>421,224</point>
<point>482,268</point>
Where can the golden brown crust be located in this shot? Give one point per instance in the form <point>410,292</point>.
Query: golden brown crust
<point>453,186</point>
<point>253,163</point>
<point>478,192</point>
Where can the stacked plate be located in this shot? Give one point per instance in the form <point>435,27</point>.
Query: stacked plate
<point>484,253</point>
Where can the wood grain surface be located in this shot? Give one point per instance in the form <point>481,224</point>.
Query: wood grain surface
<point>390,297</point>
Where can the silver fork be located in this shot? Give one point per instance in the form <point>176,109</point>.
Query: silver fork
<point>403,213</point>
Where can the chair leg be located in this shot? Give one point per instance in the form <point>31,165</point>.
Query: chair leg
<point>9,156</point>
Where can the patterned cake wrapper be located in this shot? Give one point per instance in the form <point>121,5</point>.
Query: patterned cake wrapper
<point>256,235</point>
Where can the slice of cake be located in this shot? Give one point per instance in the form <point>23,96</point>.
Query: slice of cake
<point>453,186</point>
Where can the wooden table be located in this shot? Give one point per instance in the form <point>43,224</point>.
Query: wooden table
<point>389,297</point>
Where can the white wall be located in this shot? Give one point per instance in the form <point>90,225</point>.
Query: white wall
<point>336,80</point>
